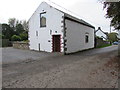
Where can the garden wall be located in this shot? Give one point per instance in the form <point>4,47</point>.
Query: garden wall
<point>99,42</point>
<point>21,45</point>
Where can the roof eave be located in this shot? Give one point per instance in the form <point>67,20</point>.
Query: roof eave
<point>67,16</point>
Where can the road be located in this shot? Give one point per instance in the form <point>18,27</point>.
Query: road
<point>86,69</point>
<point>10,55</point>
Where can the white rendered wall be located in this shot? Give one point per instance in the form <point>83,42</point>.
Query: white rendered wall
<point>53,22</point>
<point>100,34</point>
<point>75,35</point>
<point>119,34</point>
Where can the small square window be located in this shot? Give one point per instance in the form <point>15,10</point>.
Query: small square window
<point>36,33</point>
<point>43,19</point>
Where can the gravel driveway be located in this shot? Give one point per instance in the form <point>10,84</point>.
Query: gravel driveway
<point>11,55</point>
<point>88,69</point>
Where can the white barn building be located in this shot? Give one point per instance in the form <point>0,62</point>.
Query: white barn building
<point>53,29</point>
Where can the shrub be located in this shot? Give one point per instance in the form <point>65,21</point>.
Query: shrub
<point>1,36</point>
<point>24,36</point>
<point>16,38</point>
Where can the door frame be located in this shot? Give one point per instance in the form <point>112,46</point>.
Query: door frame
<point>53,42</point>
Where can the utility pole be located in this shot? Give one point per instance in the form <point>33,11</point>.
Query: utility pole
<point>110,28</point>
<point>110,32</point>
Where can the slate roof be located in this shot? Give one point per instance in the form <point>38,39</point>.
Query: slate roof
<point>106,33</point>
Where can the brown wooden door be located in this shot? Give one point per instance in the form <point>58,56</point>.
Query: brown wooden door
<point>56,43</point>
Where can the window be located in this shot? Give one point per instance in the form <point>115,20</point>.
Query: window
<point>36,33</point>
<point>86,37</point>
<point>43,19</point>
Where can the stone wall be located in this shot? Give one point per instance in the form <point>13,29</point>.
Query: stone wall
<point>100,42</point>
<point>21,45</point>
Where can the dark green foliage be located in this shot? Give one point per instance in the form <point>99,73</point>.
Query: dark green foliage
<point>16,38</point>
<point>112,37</point>
<point>113,12</point>
<point>5,42</point>
<point>7,31</point>
<point>19,29</point>
<point>1,36</point>
<point>24,36</point>
<point>105,45</point>
<point>15,27</point>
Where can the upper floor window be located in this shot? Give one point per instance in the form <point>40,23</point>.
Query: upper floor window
<point>43,19</point>
<point>86,37</point>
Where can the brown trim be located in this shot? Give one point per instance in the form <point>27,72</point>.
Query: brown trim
<point>52,43</point>
<point>60,43</point>
<point>79,22</point>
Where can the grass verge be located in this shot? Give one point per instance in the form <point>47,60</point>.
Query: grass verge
<point>104,46</point>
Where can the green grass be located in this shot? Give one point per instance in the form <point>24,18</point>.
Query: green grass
<point>107,45</point>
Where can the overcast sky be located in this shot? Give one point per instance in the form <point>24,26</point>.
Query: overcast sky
<point>88,10</point>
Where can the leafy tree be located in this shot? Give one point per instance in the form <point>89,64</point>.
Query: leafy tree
<point>24,36</point>
<point>16,38</point>
<point>113,12</point>
<point>25,25</point>
<point>12,22</point>
<point>7,31</point>
<point>15,27</point>
<point>1,36</point>
<point>19,29</point>
<point>112,37</point>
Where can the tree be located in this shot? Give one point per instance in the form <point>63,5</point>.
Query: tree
<point>1,36</point>
<point>15,27</point>
<point>16,38</point>
<point>113,12</point>
<point>19,29</point>
<point>25,25</point>
<point>24,36</point>
<point>12,22</point>
<point>7,31</point>
<point>112,37</point>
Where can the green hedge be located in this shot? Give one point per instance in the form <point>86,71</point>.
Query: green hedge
<point>4,43</point>
<point>16,38</point>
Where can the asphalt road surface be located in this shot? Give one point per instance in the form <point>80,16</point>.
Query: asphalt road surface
<point>88,69</point>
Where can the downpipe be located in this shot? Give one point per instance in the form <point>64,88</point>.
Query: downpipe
<point>119,48</point>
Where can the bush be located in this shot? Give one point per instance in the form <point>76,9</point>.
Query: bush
<point>1,36</point>
<point>16,38</point>
<point>24,36</point>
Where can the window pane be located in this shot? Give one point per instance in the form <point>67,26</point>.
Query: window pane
<point>36,33</point>
<point>43,19</point>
